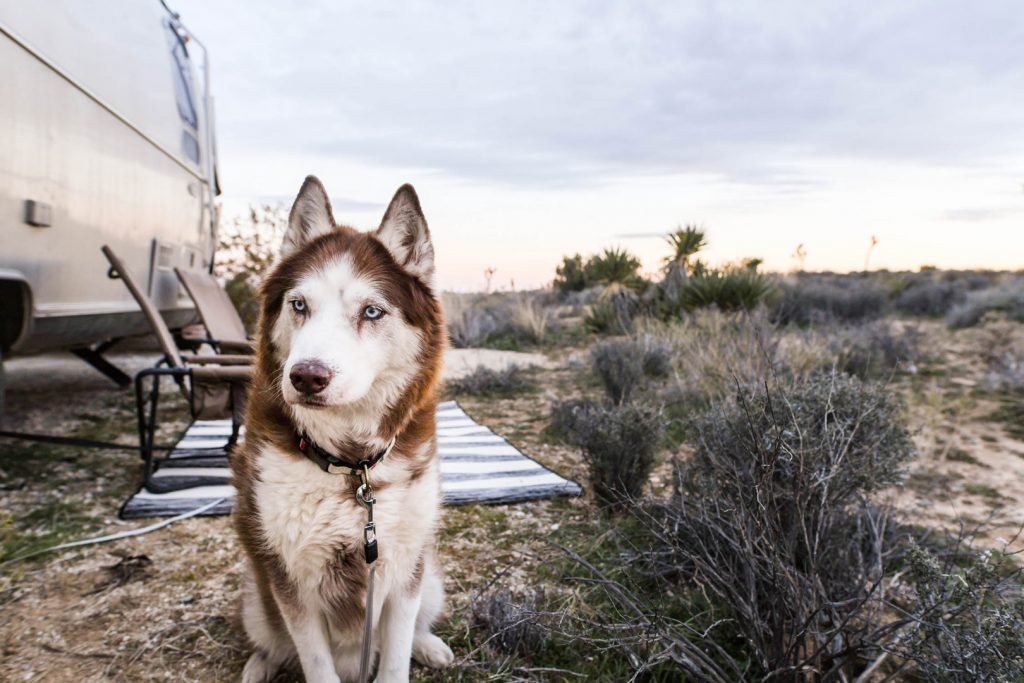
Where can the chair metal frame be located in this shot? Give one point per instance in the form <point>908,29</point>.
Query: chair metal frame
<point>186,370</point>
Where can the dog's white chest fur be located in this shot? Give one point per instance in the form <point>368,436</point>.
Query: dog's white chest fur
<point>308,516</point>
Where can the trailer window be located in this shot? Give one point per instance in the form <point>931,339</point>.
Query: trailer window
<point>184,94</point>
<point>190,146</point>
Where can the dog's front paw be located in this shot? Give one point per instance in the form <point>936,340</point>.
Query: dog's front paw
<point>431,651</point>
<point>259,668</point>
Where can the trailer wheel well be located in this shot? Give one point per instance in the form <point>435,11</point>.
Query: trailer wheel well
<point>14,307</point>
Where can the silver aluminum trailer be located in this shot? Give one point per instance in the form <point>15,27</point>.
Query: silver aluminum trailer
<point>106,137</point>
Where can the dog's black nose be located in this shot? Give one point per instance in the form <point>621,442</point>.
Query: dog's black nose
<point>310,377</point>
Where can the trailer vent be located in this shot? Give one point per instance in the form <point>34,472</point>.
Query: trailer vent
<point>37,214</point>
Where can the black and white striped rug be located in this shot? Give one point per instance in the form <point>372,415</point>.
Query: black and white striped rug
<point>477,465</point>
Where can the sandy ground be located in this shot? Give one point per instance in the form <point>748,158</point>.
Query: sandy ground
<point>970,468</point>
<point>459,362</point>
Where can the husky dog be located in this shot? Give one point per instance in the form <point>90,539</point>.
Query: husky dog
<point>348,361</point>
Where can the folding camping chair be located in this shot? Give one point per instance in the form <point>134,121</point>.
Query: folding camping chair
<point>224,327</point>
<point>214,386</point>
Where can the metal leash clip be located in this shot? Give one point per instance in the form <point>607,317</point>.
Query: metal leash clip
<point>364,494</point>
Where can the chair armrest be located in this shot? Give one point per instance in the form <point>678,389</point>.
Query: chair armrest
<point>219,359</point>
<point>239,347</point>
<point>222,373</point>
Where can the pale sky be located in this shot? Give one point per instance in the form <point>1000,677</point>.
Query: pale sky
<point>536,129</point>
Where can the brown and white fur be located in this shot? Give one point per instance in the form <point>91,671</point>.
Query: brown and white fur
<point>349,351</point>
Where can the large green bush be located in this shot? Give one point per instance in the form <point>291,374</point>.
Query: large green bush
<point>571,275</point>
<point>612,267</point>
<point>729,289</point>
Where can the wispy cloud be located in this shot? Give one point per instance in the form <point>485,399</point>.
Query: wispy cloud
<point>979,214</point>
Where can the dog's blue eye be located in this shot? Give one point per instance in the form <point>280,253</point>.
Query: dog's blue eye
<point>372,312</point>
<point>298,305</point>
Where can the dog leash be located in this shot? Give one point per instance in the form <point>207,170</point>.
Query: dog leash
<point>364,495</point>
<point>332,464</point>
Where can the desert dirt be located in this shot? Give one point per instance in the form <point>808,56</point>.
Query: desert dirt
<point>162,606</point>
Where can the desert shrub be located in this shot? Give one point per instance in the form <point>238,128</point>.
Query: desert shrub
<point>876,350</point>
<point>769,518</point>
<point>972,280</point>
<point>1007,298</point>
<point>566,417</point>
<point>530,319</point>
<point>729,289</point>
<point>620,367</point>
<point>613,313</point>
<point>613,266</point>
<point>605,317</point>
<point>818,300</point>
<point>243,290</point>
<point>770,561</point>
<point>509,625</point>
<point>469,325</point>
<point>711,350</point>
<point>570,276</point>
<point>246,249</point>
<point>929,298</point>
<point>1000,345</point>
<point>620,445</point>
<point>585,297</point>
<point>967,615</point>
<point>657,356</point>
<point>484,381</point>
<point>948,612</point>
<point>506,321</point>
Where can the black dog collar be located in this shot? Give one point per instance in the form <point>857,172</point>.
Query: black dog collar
<point>332,464</point>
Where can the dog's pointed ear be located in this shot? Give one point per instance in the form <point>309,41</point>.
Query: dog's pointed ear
<point>404,232</point>
<point>310,216</point>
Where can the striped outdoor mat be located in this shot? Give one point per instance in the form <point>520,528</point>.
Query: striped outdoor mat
<point>477,465</point>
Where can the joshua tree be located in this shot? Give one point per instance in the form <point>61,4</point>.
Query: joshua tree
<point>685,242</point>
